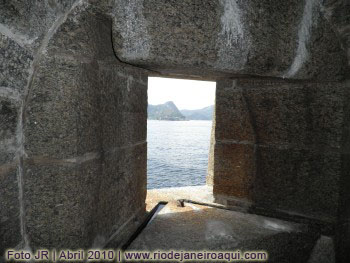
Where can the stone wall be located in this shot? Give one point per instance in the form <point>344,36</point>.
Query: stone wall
<point>226,38</point>
<point>73,117</point>
<point>73,129</point>
<point>337,12</point>
<point>210,174</point>
<point>282,145</point>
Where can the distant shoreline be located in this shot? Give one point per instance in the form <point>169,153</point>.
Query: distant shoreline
<point>168,111</point>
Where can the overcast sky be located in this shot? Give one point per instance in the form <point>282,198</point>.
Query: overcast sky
<point>186,94</point>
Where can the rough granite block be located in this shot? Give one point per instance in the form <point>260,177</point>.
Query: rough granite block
<point>60,203</point>
<point>10,228</point>
<point>122,187</point>
<point>62,116</point>
<point>9,114</point>
<point>302,181</point>
<point>224,37</point>
<point>234,169</point>
<point>15,62</point>
<point>297,133</point>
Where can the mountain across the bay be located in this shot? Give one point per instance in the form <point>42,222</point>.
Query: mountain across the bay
<point>200,114</point>
<point>169,111</point>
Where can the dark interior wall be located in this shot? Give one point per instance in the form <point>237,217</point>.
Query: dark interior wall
<point>338,12</point>
<point>73,156</point>
<point>279,144</point>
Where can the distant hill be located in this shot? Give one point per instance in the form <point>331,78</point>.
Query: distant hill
<point>166,111</point>
<point>201,114</point>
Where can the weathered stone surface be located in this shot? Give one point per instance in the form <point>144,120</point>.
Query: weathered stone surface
<point>14,65</point>
<point>10,228</point>
<point>9,113</point>
<point>98,108</point>
<point>223,37</point>
<point>232,113</point>
<point>281,113</point>
<point>323,252</point>
<point>234,169</point>
<point>124,168</point>
<point>280,144</point>
<point>338,13</point>
<point>60,203</point>
<point>303,181</point>
<point>8,118</point>
<point>201,228</point>
<point>63,109</point>
<point>30,20</point>
<point>84,34</point>
<point>123,105</point>
<point>81,162</point>
<point>343,242</point>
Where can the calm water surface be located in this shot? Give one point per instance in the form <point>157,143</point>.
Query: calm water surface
<point>177,153</point>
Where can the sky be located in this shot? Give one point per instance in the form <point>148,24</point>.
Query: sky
<point>186,94</point>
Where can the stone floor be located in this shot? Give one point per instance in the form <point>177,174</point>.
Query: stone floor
<point>195,193</point>
<point>203,228</point>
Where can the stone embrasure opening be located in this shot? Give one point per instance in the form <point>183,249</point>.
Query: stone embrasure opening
<point>179,126</point>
